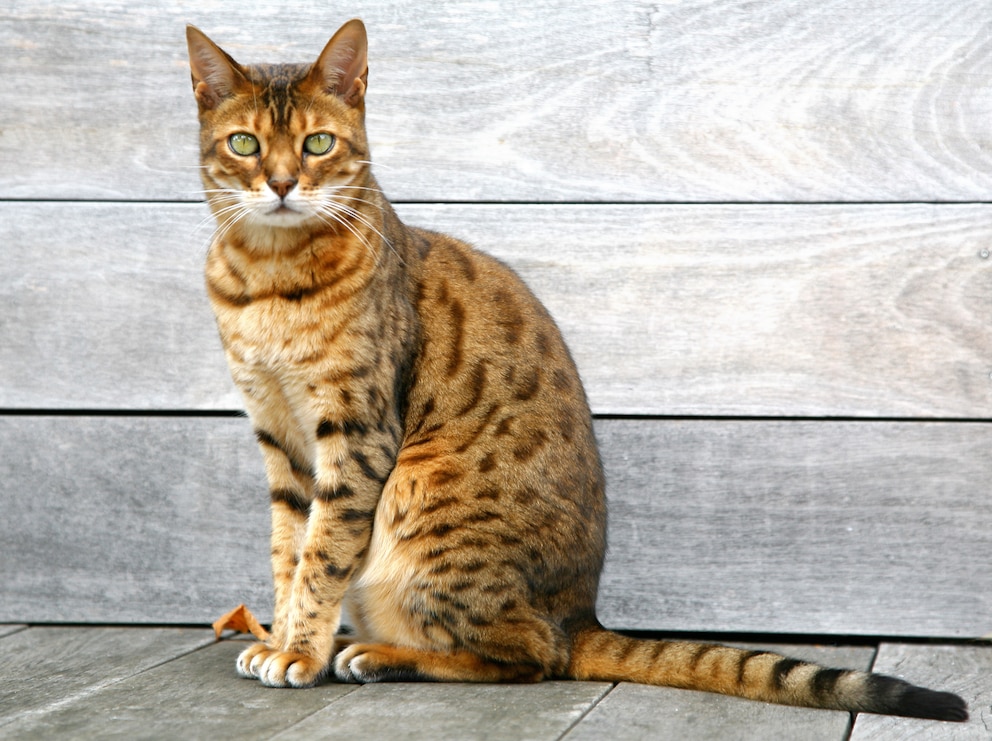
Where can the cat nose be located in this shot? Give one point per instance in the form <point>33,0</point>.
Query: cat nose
<point>282,186</point>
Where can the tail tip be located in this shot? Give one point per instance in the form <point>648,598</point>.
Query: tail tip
<point>918,702</point>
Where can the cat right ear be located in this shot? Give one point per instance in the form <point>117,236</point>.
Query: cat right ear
<point>216,75</point>
<point>342,69</point>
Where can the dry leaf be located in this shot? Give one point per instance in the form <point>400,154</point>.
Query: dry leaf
<point>241,620</point>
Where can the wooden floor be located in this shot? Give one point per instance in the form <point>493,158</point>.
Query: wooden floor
<point>134,683</point>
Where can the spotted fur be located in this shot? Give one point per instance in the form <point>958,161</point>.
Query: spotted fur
<point>426,438</point>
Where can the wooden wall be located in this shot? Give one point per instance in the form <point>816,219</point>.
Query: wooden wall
<point>762,227</point>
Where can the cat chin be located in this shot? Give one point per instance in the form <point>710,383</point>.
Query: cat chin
<point>283,218</point>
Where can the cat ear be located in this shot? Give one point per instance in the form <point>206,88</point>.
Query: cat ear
<point>216,75</point>
<point>342,69</point>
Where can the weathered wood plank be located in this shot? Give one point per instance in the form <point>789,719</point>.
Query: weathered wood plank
<point>716,310</point>
<point>965,670</point>
<point>634,712</point>
<point>131,520</point>
<point>692,101</point>
<point>454,712</point>
<point>48,669</point>
<point>197,696</point>
<point>821,527</point>
<point>786,527</point>
<point>104,307</point>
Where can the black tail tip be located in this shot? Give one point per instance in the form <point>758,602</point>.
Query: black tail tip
<point>918,702</point>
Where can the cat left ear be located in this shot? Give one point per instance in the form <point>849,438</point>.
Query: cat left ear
<point>216,75</point>
<point>342,69</point>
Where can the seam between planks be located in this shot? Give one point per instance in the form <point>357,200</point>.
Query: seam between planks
<point>321,709</point>
<point>853,717</point>
<point>13,629</point>
<point>585,713</point>
<point>606,202</point>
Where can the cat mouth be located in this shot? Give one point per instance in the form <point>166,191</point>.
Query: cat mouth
<point>284,211</point>
<point>282,215</point>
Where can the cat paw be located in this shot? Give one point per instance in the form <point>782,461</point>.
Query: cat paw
<point>360,663</point>
<point>275,668</point>
<point>247,657</point>
<point>350,664</point>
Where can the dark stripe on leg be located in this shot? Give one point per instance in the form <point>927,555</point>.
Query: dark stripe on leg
<point>367,470</point>
<point>266,439</point>
<point>348,427</point>
<point>296,501</point>
<point>329,495</point>
<point>358,515</point>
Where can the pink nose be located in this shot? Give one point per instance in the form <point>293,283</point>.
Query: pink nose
<point>282,186</point>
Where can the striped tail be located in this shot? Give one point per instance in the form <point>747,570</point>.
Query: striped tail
<point>599,654</point>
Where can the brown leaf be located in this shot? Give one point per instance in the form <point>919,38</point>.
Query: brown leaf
<point>240,620</point>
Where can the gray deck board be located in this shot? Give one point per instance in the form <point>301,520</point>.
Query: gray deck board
<point>196,696</point>
<point>45,669</point>
<point>454,712</point>
<point>842,527</point>
<point>966,670</point>
<point>152,683</point>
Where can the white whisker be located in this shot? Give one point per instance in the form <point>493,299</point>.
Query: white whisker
<point>231,215</point>
<point>215,216</point>
<point>213,192</point>
<point>339,208</point>
<point>336,219</point>
<point>339,188</point>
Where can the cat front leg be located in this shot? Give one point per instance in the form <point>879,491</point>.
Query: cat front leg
<point>287,526</point>
<point>338,532</point>
<point>290,487</point>
<point>289,518</point>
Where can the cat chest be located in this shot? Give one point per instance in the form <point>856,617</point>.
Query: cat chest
<point>275,333</point>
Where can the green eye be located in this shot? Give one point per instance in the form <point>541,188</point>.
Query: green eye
<point>318,143</point>
<point>243,144</point>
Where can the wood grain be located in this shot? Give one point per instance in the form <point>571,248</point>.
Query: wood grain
<point>454,712</point>
<point>194,696</point>
<point>777,100</point>
<point>791,527</point>
<point>46,668</point>
<point>815,527</point>
<point>874,311</point>
<point>151,682</point>
<point>121,520</point>
<point>199,695</point>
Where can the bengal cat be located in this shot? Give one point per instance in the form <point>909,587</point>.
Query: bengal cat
<point>427,441</point>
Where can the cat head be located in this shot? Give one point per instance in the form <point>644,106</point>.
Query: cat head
<point>281,145</point>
